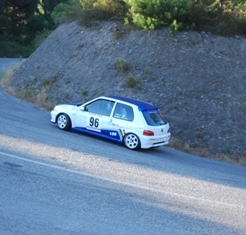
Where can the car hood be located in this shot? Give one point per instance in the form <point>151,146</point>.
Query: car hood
<point>77,104</point>
<point>63,107</point>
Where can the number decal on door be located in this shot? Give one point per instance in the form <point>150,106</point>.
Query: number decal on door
<point>94,122</point>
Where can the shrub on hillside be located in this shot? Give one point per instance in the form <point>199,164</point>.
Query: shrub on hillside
<point>229,18</point>
<point>87,11</point>
<point>151,14</point>
<point>13,49</point>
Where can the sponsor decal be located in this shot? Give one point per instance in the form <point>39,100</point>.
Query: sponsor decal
<point>93,128</point>
<point>122,132</point>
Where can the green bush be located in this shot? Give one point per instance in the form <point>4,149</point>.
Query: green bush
<point>122,65</point>
<point>188,14</point>
<point>13,49</point>
<point>151,14</point>
<point>231,24</point>
<point>104,9</point>
<point>211,15</point>
<point>87,11</point>
<point>131,81</point>
<point>59,13</point>
<point>217,16</point>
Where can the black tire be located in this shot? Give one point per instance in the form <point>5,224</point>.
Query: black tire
<point>131,141</point>
<point>63,122</point>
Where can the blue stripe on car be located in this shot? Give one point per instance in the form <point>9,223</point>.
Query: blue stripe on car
<point>103,133</point>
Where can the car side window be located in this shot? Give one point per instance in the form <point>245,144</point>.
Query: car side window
<point>101,106</point>
<point>124,112</point>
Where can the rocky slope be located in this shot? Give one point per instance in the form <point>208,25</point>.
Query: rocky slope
<point>198,80</point>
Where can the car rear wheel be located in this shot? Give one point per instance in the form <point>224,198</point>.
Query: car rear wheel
<point>64,122</point>
<point>132,141</point>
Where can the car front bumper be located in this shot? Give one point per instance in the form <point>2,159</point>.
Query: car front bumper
<point>53,115</point>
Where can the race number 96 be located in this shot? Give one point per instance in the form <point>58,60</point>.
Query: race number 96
<point>94,122</point>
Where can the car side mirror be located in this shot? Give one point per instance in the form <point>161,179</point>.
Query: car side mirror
<point>83,108</point>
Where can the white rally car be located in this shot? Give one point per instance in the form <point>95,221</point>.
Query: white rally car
<point>134,123</point>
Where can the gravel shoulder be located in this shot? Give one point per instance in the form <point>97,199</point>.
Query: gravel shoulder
<point>197,79</point>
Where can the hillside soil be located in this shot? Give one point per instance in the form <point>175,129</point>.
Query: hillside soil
<point>198,80</point>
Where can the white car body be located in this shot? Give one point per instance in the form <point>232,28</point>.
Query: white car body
<point>116,118</point>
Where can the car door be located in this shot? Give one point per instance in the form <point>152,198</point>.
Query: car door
<point>95,117</point>
<point>122,120</point>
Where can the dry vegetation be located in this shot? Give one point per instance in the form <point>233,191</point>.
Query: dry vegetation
<point>27,93</point>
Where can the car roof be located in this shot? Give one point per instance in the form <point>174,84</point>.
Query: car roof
<point>141,105</point>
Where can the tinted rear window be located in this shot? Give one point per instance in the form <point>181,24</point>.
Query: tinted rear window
<point>154,118</point>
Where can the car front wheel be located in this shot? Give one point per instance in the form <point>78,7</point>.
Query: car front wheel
<point>64,122</point>
<point>132,141</point>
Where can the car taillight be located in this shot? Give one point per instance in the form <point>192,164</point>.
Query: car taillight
<point>148,133</point>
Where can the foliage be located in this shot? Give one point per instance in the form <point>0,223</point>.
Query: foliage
<point>22,21</point>
<point>19,20</point>
<point>131,81</point>
<point>151,14</point>
<point>187,14</point>
<point>88,11</point>
<point>122,65</point>
<point>220,16</point>
<point>59,13</point>
<point>103,9</point>
<point>9,48</point>
<point>40,37</point>
<point>179,14</point>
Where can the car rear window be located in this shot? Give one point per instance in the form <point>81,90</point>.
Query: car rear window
<point>154,117</point>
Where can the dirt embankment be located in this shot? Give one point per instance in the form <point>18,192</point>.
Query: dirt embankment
<point>198,80</point>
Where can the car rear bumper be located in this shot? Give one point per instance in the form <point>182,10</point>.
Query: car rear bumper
<point>151,141</point>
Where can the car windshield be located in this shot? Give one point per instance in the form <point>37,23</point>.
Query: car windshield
<point>154,117</point>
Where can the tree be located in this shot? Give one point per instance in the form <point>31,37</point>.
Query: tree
<point>21,20</point>
<point>46,7</point>
<point>15,17</point>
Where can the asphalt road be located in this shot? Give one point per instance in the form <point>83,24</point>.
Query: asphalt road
<point>8,62</point>
<point>55,182</point>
